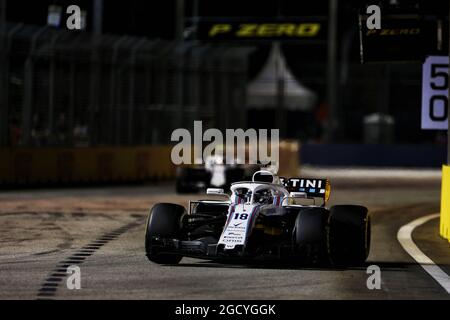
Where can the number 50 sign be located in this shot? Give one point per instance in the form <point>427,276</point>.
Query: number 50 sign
<point>435,82</point>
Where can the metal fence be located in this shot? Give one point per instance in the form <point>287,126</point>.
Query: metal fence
<point>73,88</point>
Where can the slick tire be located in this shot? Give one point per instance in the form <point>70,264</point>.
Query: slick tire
<point>309,235</point>
<point>186,178</point>
<point>349,235</point>
<point>164,221</point>
<point>182,188</point>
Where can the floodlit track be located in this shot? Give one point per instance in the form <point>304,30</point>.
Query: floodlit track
<point>102,231</point>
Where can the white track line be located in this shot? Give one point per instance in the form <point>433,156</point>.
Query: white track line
<point>405,239</point>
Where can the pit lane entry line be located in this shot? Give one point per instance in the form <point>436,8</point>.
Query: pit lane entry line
<point>404,236</point>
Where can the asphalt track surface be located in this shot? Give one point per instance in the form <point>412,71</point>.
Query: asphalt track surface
<point>102,231</point>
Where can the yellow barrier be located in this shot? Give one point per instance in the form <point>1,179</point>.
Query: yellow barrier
<point>105,164</point>
<point>289,159</point>
<point>102,164</point>
<point>445,203</point>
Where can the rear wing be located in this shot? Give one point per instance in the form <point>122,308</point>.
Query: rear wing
<point>314,188</point>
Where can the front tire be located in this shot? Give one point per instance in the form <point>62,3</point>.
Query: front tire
<point>164,221</point>
<point>349,235</point>
<point>309,235</point>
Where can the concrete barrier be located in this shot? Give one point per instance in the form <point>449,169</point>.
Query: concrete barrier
<point>5,166</point>
<point>445,203</point>
<point>374,155</point>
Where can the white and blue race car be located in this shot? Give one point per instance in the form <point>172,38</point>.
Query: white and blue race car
<point>214,173</point>
<point>267,217</point>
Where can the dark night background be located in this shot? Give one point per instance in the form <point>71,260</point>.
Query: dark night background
<point>358,96</point>
<point>156,18</point>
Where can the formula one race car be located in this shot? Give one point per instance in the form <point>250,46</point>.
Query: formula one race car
<point>213,173</point>
<point>261,218</point>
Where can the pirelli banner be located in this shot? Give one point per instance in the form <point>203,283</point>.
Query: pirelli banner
<point>298,29</point>
<point>402,38</point>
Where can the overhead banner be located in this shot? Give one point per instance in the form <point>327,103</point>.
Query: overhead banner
<point>300,29</point>
<point>402,38</point>
<point>435,82</point>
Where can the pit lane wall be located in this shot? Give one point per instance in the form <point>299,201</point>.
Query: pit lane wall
<point>41,166</point>
<point>445,203</point>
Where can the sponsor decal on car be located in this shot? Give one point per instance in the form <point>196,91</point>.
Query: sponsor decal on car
<point>240,220</point>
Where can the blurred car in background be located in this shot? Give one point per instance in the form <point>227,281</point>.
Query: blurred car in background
<point>214,173</point>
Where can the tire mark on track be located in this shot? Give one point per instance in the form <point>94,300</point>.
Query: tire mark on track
<point>48,222</point>
<point>50,285</point>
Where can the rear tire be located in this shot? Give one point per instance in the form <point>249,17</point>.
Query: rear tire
<point>310,235</point>
<point>349,235</point>
<point>164,221</point>
<point>181,188</point>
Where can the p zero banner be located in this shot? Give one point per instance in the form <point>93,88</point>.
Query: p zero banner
<point>435,82</point>
<point>300,29</point>
<point>402,38</point>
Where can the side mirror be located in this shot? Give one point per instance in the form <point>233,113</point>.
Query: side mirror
<point>215,191</point>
